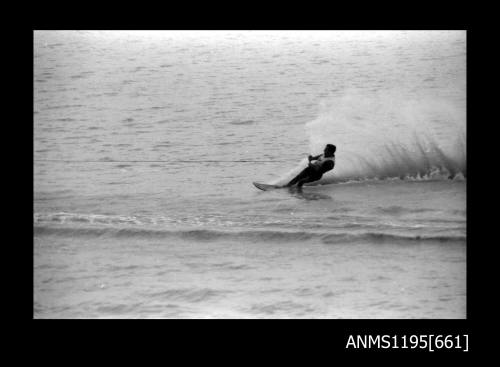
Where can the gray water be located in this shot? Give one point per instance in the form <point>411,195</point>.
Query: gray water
<point>147,143</point>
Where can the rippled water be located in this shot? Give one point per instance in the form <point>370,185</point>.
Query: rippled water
<point>146,145</point>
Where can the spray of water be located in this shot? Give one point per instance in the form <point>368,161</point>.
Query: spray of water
<point>384,136</point>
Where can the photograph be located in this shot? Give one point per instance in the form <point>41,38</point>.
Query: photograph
<point>250,174</point>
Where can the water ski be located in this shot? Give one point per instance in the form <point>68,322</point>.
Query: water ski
<point>266,187</point>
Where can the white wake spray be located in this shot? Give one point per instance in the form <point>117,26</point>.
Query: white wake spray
<point>385,135</point>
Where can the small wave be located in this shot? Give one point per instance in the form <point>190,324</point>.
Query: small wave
<point>208,235</point>
<point>118,309</point>
<point>232,266</point>
<point>185,294</point>
<point>124,267</point>
<point>394,209</point>
<point>242,122</point>
<point>52,45</point>
<point>281,308</point>
<point>161,145</point>
<point>64,217</point>
<point>378,237</point>
<point>81,75</point>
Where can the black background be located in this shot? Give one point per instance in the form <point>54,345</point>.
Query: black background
<point>256,342</point>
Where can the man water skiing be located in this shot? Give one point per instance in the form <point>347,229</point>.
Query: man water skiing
<point>314,171</point>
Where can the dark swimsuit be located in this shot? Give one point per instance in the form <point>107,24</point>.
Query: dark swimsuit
<point>308,172</point>
<point>311,173</point>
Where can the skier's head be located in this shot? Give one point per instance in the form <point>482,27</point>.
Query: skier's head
<point>330,149</point>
